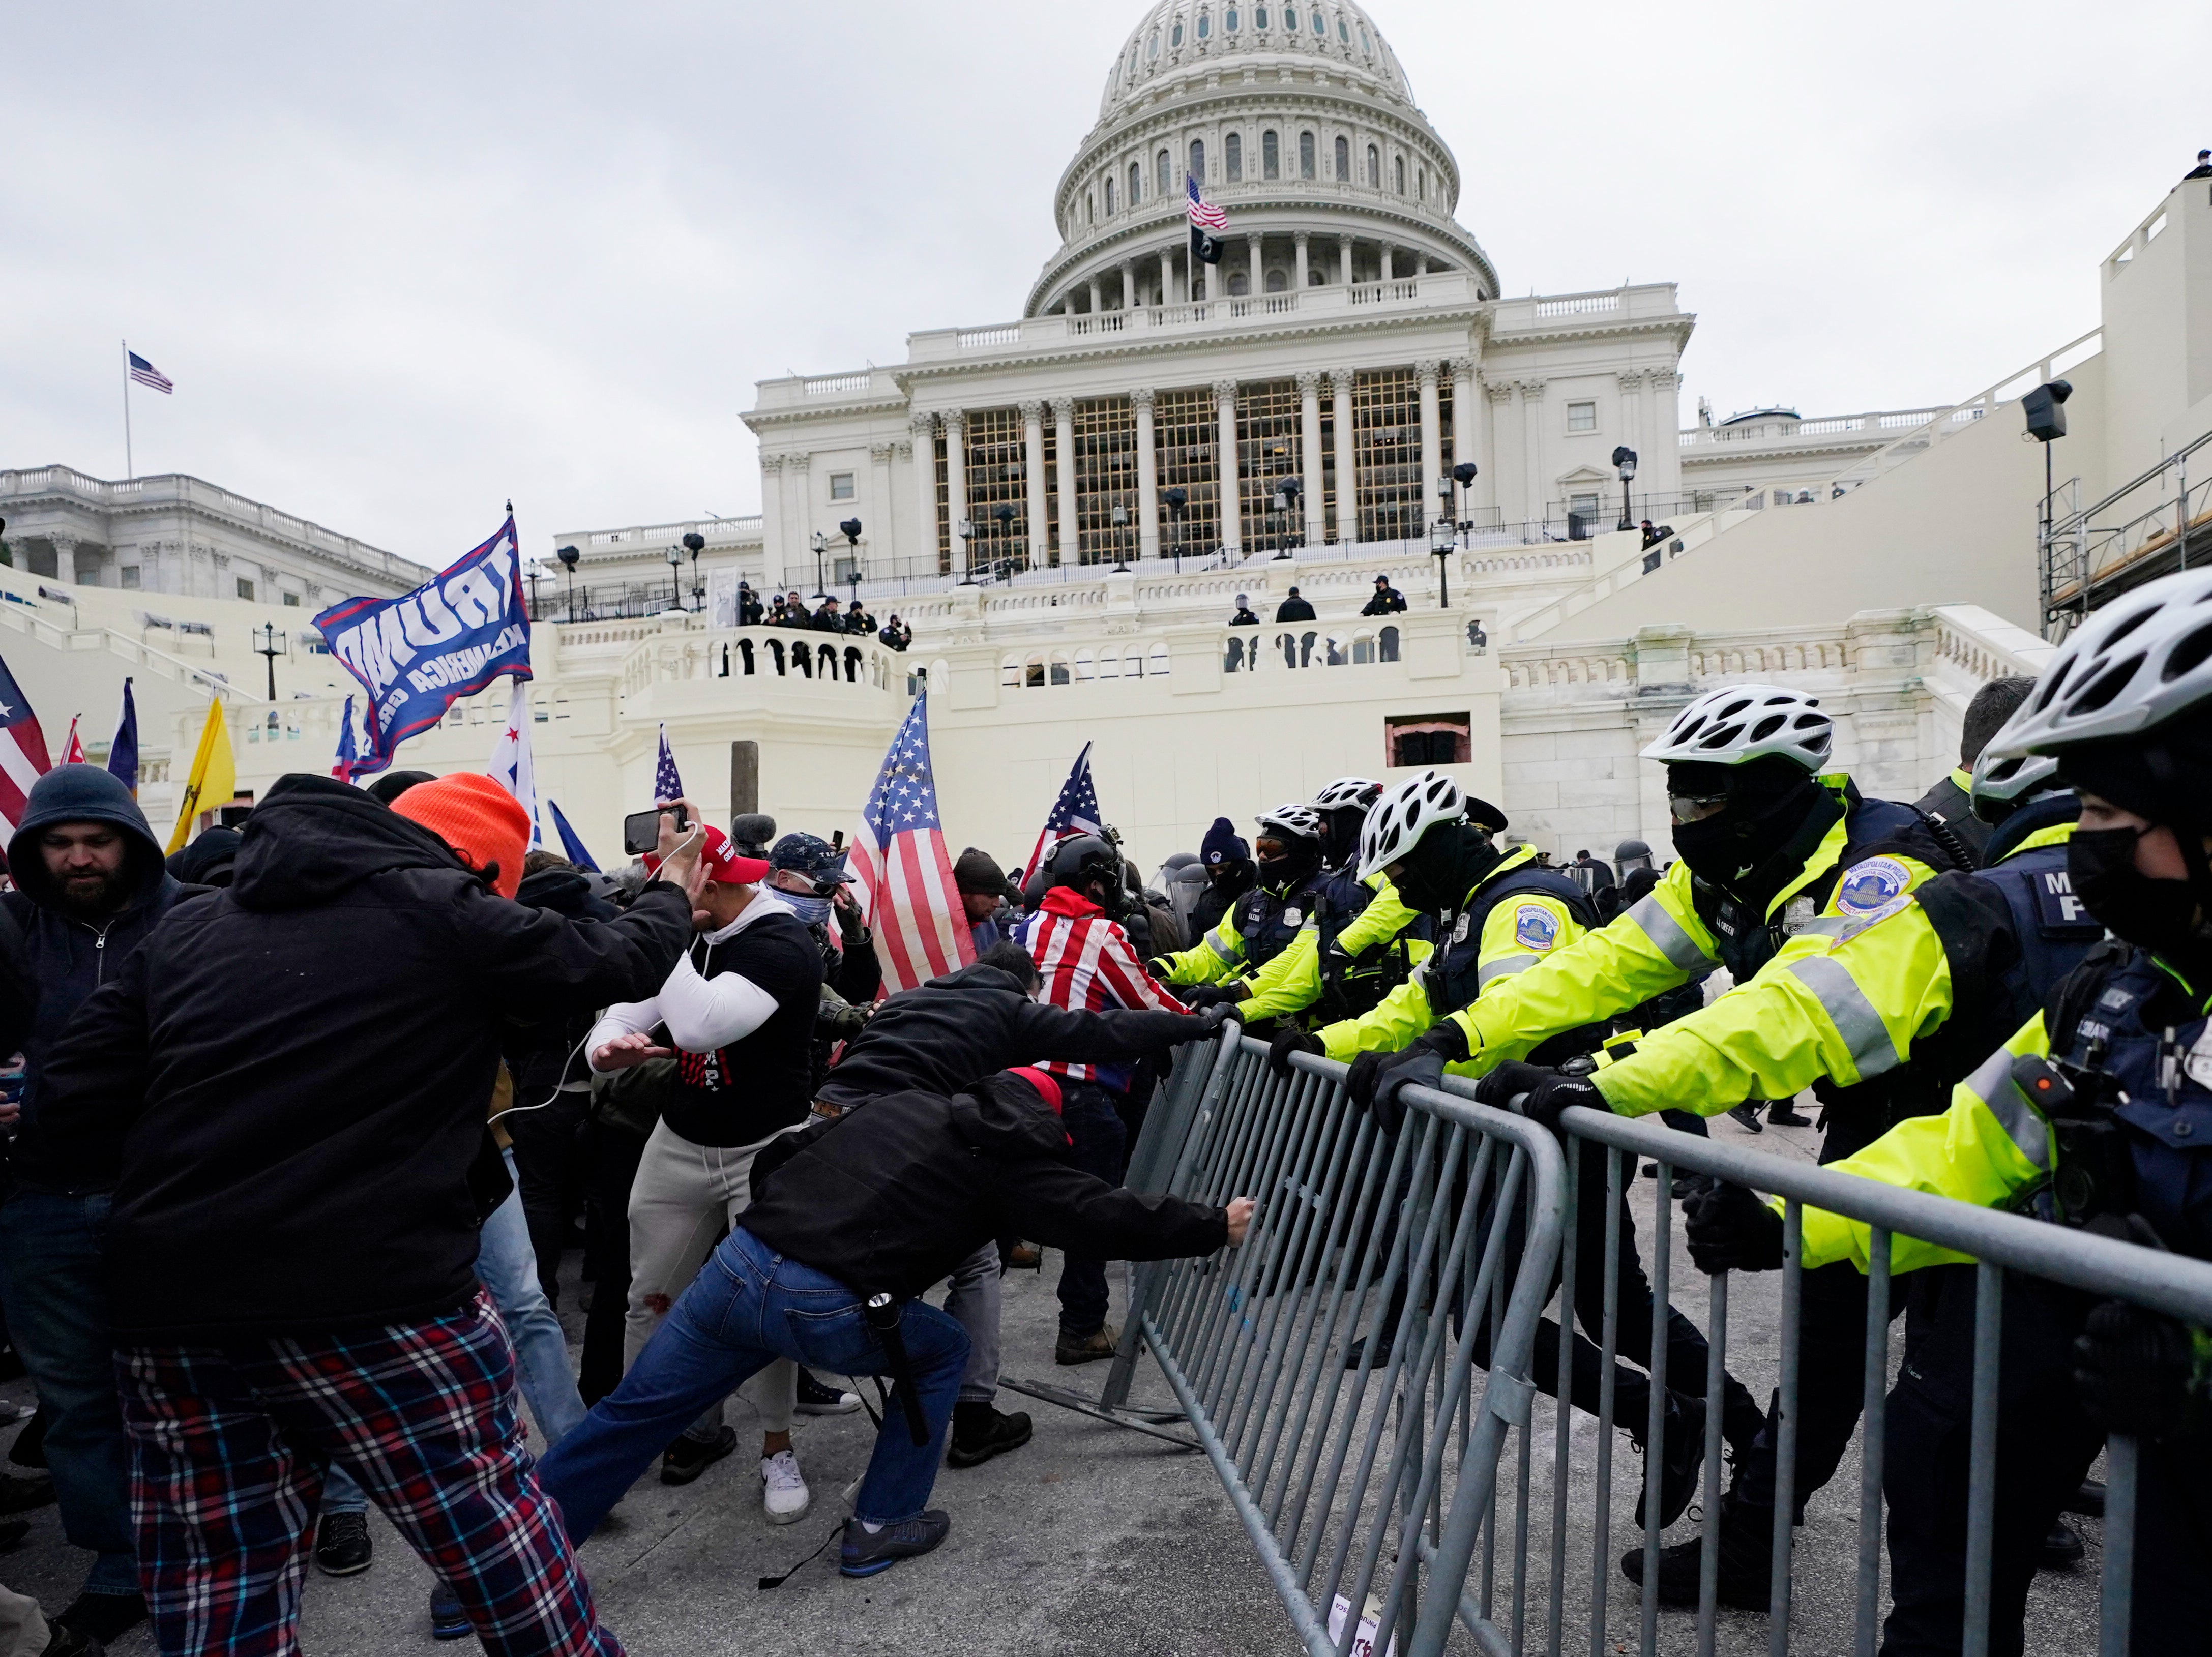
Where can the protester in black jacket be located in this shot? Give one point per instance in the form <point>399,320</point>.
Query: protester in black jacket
<point>1294,608</point>
<point>883,1200</point>
<point>90,886</point>
<point>286,1085</point>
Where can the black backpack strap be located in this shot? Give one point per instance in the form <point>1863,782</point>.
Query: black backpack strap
<point>2072,996</point>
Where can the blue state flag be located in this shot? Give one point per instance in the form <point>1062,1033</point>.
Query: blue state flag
<point>123,752</point>
<point>417,654</point>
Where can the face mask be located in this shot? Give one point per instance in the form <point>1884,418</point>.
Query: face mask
<point>2160,915</point>
<point>814,911</point>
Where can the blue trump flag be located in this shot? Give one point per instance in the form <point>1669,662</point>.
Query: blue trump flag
<point>419,653</point>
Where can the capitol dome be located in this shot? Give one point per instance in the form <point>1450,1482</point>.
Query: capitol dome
<point>1297,119</point>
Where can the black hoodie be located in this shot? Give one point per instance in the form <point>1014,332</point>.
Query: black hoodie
<point>891,1199</point>
<point>286,1085</point>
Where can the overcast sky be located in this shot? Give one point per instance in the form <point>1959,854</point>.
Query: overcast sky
<point>405,261</point>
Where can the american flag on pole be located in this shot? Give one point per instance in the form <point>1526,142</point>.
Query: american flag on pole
<point>904,876</point>
<point>666,785</point>
<point>147,374</point>
<point>1075,812</point>
<point>1203,213</point>
<point>22,751</point>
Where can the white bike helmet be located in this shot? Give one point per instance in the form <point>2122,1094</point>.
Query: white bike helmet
<point>2006,780</point>
<point>1348,794</point>
<point>1403,815</point>
<point>1298,822</point>
<point>2134,665</point>
<point>1745,722</point>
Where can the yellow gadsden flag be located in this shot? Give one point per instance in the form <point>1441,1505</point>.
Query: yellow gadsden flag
<point>214,780</point>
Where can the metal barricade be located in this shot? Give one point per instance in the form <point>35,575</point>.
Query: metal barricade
<point>1357,1370</point>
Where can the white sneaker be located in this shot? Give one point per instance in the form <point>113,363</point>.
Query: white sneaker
<point>784,1496</point>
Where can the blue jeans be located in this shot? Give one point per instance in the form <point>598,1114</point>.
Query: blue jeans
<point>506,1265</point>
<point>748,1306</point>
<point>1088,1113</point>
<point>51,1252</point>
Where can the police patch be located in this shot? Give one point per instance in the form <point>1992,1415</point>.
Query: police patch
<point>1868,886</point>
<point>1535,927</point>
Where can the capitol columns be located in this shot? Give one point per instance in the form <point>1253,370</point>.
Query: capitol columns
<point>956,482</point>
<point>797,507</point>
<point>1167,275</point>
<point>775,553</point>
<point>1040,522</point>
<point>880,455</point>
<point>1635,433</point>
<point>1662,421</point>
<point>1432,441</point>
<point>1495,393</point>
<point>1303,241</point>
<point>1128,284</point>
<point>924,427</point>
<point>1343,260</point>
<point>1532,449</point>
<point>1347,475</point>
<point>1310,449</point>
<point>1224,408</point>
<point>1097,297</point>
<point>65,558</point>
<point>1257,281</point>
<point>1467,422</point>
<point>1148,476</point>
<point>1063,455</point>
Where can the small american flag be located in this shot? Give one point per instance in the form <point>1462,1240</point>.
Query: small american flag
<point>1203,213</point>
<point>666,785</point>
<point>147,374</point>
<point>22,751</point>
<point>1076,811</point>
<point>904,876</point>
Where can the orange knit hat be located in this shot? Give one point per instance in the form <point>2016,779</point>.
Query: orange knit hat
<point>479,819</point>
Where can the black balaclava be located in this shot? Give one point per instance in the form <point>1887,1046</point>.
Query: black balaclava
<point>1284,874</point>
<point>2170,782</point>
<point>1746,848</point>
<point>1340,834</point>
<point>1447,863</point>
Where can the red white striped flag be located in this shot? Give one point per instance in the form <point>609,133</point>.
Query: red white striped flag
<point>22,751</point>
<point>73,749</point>
<point>904,873</point>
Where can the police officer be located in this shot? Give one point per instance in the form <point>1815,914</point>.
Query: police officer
<point>2092,1115</point>
<point>1951,802</point>
<point>1359,942</point>
<point>1263,922</point>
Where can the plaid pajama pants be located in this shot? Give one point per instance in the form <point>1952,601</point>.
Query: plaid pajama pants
<point>229,1444</point>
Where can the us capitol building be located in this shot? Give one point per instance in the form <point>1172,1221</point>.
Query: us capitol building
<point>1065,505</point>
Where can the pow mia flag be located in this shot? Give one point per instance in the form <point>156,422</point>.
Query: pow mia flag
<point>419,653</point>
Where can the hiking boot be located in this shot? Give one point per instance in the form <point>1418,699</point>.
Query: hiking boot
<point>1746,1551</point>
<point>342,1544</point>
<point>1084,1349</point>
<point>63,1641</point>
<point>784,1495</point>
<point>2089,1499</point>
<point>1747,1115</point>
<point>816,1399</point>
<point>1782,1114</point>
<point>861,1554</point>
<point>2059,1550</point>
<point>688,1457</point>
<point>1683,1453</point>
<point>447,1620</point>
<point>1024,1257</point>
<point>980,1432</point>
<point>104,1618</point>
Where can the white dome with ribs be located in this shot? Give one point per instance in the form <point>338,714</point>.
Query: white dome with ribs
<point>1234,34</point>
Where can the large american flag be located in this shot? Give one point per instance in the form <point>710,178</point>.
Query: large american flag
<point>904,876</point>
<point>1203,213</point>
<point>22,751</point>
<point>147,374</point>
<point>1075,812</point>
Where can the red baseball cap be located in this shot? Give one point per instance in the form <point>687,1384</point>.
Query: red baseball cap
<point>724,866</point>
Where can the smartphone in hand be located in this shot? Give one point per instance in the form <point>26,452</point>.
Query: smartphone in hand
<point>642,829</point>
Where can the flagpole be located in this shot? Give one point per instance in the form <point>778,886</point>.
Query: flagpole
<point>130,469</point>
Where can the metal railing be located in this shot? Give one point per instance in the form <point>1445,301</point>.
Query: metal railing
<point>1368,1475</point>
<point>2144,528</point>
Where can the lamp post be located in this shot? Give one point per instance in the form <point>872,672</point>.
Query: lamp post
<point>850,529</point>
<point>694,544</point>
<point>1464,475</point>
<point>821,544</point>
<point>966,530</point>
<point>2046,410</point>
<point>534,574</point>
<point>1120,518</point>
<point>1443,536</point>
<point>1287,490</point>
<point>1177,499</point>
<point>1004,514</point>
<point>569,555</point>
<point>674,581</point>
<point>1624,458</point>
<point>271,641</point>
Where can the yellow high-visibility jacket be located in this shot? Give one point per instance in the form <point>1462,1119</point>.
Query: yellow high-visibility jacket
<point>1292,981</point>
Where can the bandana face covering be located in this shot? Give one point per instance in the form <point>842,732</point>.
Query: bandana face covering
<point>814,911</point>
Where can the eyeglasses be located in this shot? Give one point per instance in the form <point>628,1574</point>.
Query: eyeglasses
<point>1691,808</point>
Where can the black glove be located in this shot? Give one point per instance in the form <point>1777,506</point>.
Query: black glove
<point>1215,1016</point>
<point>1158,968</point>
<point>1206,995</point>
<point>1289,1041</point>
<point>2137,1370</point>
<point>1548,1092</point>
<point>1729,1229</point>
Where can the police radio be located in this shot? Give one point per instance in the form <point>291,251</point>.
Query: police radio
<point>2094,1177</point>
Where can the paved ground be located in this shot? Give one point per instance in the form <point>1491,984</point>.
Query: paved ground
<point>1092,1540</point>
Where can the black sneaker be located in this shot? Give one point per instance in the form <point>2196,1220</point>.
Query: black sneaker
<point>1356,1352</point>
<point>1683,1457</point>
<point>2059,1550</point>
<point>1746,1573</point>
<point>1782,1114</point>
<point>2089,1499</point>
<point>862,1555</point>
<point>1084,1349</point>
<point>21,1495</point>
<point>104,1617</point>
<point>447,1620</point>
<point>62,1640</point>
<point>1747,1115</point>
<point>688,1457</point>
<point>980,1432</point>
<point>816,1399</point>
<point>342,1547</point>
<point>29,1449</point>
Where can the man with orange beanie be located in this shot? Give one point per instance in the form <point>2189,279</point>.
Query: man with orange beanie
<point>307,1053</point>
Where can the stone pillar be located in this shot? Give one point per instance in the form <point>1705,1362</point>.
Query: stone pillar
<point>956,483</point>
<point>1534,494</point>
<point>1063,438</point>
<point>1662,464</point>
<point>64,559</point>
<point>1128,284</point>
<point>798,516</point>
<point>924,427</point>
<point>1302,242</point>
<point>1097,297</point>
<point>1225,406</point>
<point>1040,525</point>
<point>1347,480</point>
<point>1343,260</point>
<point>1490,489</point>
<point>1148,476</point>
<point>1167,275</point>
<point>1258,280</point>
<point>1387,273</point>
<point>774,554</point>
<point>1467,427</point>
<point>880,455</point>
<point>1432,441</point>
<point>1632,430</point>
<point>1310,463</point>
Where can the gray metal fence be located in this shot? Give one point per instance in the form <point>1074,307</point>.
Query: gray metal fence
<point>1358,1371</point>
